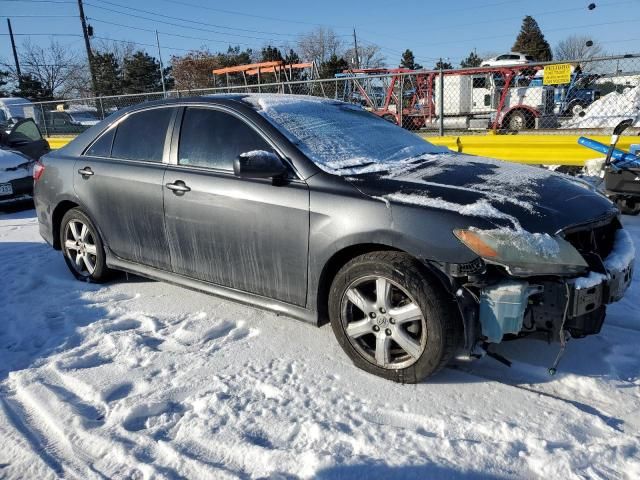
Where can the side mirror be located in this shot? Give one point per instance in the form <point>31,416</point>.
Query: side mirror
<point>259,164</point>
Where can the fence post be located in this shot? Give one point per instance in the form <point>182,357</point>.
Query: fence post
<point>101,108</point>
<point>401,101</point>
<point>441,102</point>
<point>44,121</point>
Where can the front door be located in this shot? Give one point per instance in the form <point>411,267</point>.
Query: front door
<point>250,235</point>
<point>119,181</point>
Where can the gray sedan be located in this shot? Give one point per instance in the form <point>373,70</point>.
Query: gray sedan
<point>320,210</point>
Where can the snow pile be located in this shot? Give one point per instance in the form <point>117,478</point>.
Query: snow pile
<point>481,208</point>
<point>144,380</point>
<point>14,165</point>
<point>609,110</point>
<point>591,280</point>
<point>623,252</point>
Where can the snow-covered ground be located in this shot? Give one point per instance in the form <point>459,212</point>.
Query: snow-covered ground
<point>140,379</point>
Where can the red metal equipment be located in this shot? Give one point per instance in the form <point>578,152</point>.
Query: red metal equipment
<point>419,109</point>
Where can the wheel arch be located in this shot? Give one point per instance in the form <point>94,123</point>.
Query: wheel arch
<point>525,109</point>
<point>346,254</point>
<point>56,220</point>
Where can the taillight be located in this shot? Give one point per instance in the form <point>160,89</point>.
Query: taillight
<point>38,170</point>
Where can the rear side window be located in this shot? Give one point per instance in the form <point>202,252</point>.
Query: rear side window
<point>213,139</point>
<point>102,146</point>
<point>141,136</point>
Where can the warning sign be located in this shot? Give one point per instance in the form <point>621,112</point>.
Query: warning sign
<point>557,74</point>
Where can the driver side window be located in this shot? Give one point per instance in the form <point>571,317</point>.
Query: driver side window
<point>213,139</point>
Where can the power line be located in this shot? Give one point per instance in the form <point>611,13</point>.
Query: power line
<point>38,16</point>
<point>44,34</point>
<point>173,17</point>
<point>176,34</point>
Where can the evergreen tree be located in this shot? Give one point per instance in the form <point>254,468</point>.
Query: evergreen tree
<point>235,57</point>
<point>271,54</point>
<point>169,81</point>
<point>332,66</point>
<point>442,65</point>
<point>32,89</point>
<point>141,73</point>
<point>108,74</point>
<point>409,61</point>
<point>531,41</point>
<point>473,60</point>
<point>291,57</point>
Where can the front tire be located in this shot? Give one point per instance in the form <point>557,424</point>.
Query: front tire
<point>391,319</point>
<point>520,120</point>
<point>82,247</point>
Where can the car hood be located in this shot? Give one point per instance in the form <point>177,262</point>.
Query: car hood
<point>503,193</point>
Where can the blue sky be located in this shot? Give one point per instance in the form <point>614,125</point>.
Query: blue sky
<point>431,29</point>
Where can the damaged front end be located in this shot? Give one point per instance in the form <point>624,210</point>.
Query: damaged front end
<point>525,283</point>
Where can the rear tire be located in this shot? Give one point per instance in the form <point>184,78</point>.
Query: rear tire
<point>82,247</point>
<point>391,319</point>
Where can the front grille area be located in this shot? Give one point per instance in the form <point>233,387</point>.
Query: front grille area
<point>597,240</point>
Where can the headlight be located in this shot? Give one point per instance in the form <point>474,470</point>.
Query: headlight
<point>524,253</point>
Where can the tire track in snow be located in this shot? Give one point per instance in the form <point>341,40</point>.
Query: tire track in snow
<point>38,444</point>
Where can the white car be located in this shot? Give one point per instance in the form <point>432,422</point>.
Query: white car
<point>511,58</point>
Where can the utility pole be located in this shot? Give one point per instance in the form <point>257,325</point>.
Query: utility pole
<point>355,47</point>
<point>87,44</point>
<point>164,88</point>
<point>15,54</point>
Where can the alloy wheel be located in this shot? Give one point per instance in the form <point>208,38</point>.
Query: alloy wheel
<point>383,322</point>
<point>80,247</point>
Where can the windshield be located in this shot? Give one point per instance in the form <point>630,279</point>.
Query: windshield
<point>83,116</point>
<point>338,137</point>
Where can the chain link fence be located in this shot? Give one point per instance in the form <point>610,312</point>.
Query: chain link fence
<point>580,96</point>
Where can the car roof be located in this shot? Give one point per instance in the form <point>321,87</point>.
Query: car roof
<point>251,100</point>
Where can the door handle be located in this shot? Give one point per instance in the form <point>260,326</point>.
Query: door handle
<point>86,172</point>
<point>178,187</point>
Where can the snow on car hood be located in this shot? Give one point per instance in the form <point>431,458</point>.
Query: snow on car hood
<point>14,165</point>
<point>507,194</point>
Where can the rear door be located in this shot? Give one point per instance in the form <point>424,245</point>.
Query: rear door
<point>119,181</point>
<point>247,234</point>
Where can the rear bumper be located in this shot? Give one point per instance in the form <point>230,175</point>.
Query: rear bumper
<point>22,189</point>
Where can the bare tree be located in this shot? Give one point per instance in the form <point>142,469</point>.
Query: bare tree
<point>369,56</point>
<point>575,47</point>
<point>54,66</point>
<point>194,69</point>
<point>319,45</point>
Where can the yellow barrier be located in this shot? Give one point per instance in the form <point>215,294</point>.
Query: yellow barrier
<point>59,142</point>
<point>533,149</point>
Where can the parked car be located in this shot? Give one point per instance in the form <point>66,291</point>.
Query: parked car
<point>511,58</point>
<point>13,109</point>
<point>320,210</point>
<point>19,150</point>
<point>71,121</point>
